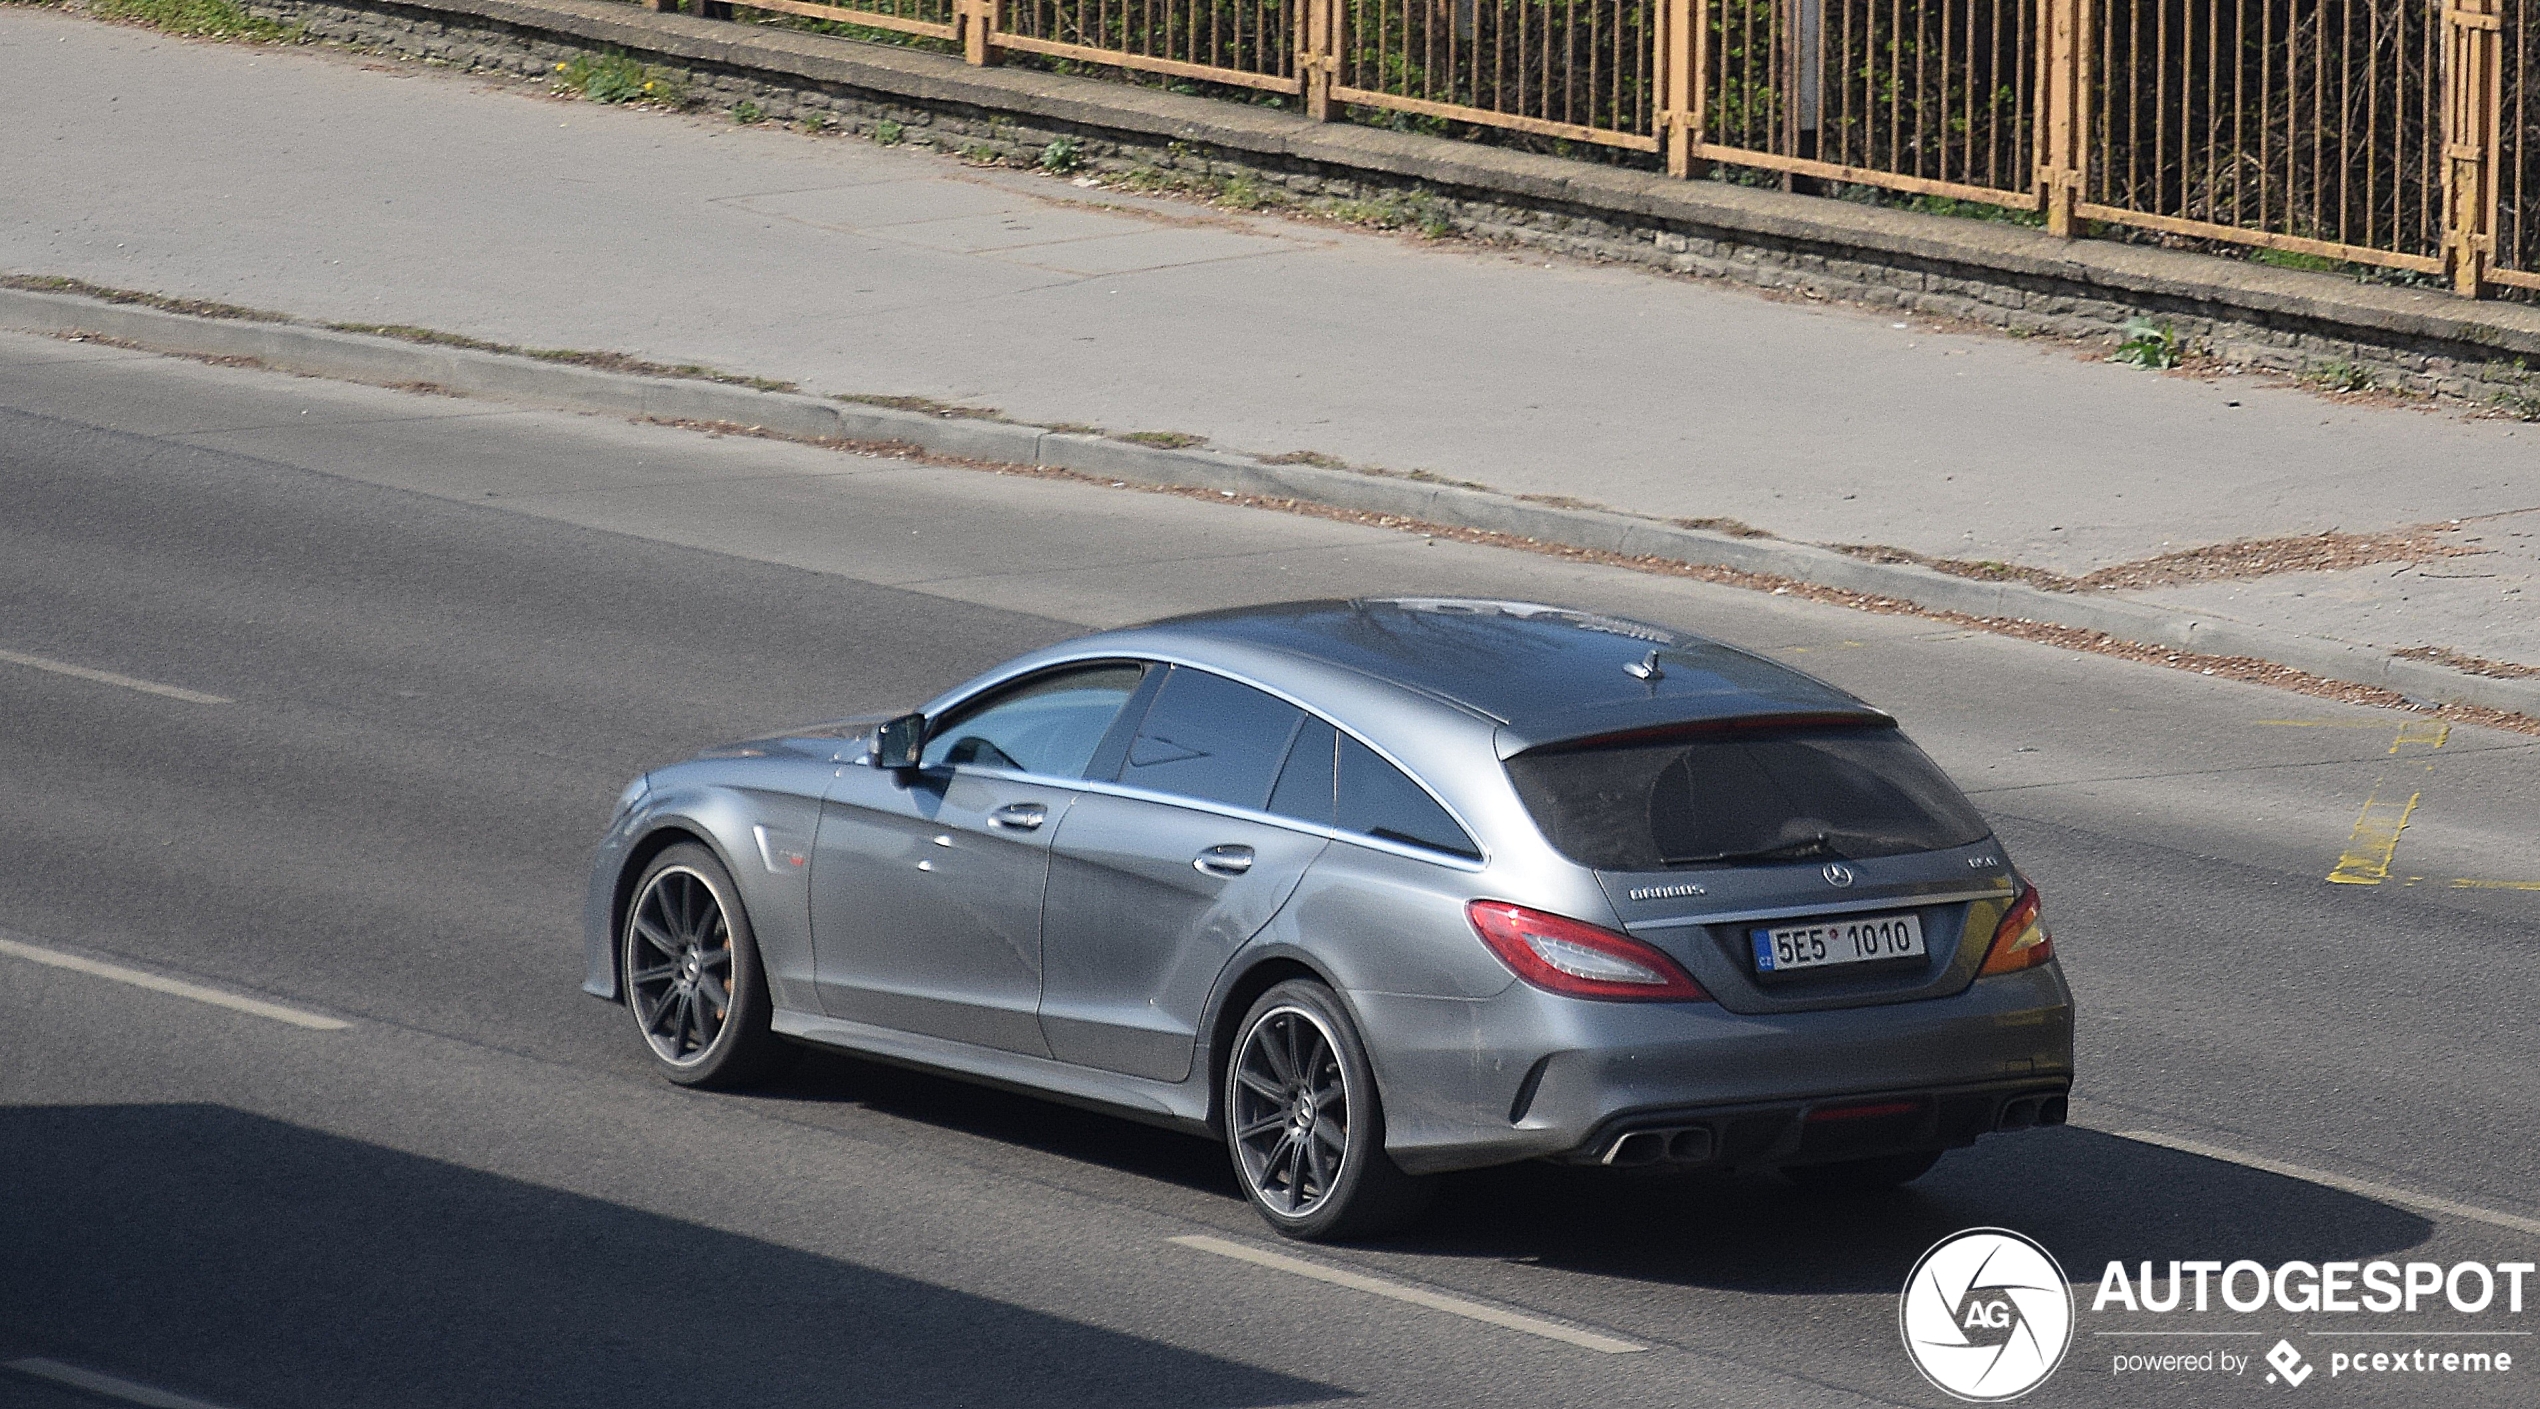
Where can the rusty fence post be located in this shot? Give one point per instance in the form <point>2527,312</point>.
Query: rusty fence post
<point>1318,59</point>
<point>978,22</point>
<point>2063,110</point>
<point>1681,50</point>
<point>2472,112</point>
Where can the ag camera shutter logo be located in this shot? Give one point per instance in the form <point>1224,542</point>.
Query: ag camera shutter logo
<point>1986,1315</point>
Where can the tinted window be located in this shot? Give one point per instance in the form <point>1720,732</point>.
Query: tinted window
<point>1305,784</point>
<point>1378,799</point>
<point>1210,738</point>
<point>1741,798</point>
<point>1049,726</point>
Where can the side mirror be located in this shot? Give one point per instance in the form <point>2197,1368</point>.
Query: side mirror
<point>895,744</point>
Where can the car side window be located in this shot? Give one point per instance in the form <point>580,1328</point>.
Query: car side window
<point>1305,781</point>
<point>1210,738</point>
<point>1379,800</point>
<point>1050,725</point>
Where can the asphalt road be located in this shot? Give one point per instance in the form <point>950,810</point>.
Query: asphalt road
<point>442,633</point>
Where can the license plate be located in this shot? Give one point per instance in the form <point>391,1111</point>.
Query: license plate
<point>1788,948</point>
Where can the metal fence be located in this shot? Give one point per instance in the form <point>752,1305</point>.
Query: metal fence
<point>1936,97</point>
<point>2397,133</point>
<point>1250,43</point>
<point>1584,70</point>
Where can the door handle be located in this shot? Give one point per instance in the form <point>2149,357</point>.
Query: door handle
<point>1019,816</point>
<point>1230,860</point>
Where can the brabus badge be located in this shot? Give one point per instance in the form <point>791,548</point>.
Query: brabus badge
<point>1666,892</point>
<point>1838,875</point>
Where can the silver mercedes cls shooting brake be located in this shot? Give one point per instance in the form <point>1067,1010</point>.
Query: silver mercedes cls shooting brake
<point>1370,890</point>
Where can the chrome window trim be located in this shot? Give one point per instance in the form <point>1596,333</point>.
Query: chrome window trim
<point>1416,853</point>
<point>1847,906</point>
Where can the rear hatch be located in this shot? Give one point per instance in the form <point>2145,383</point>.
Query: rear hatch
<point>1788,865</point>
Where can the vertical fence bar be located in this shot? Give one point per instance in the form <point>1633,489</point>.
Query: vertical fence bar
<point>2063,110</point>
<point>1680,55</point>
<point>2472,103</point>
<point>1322,56</point>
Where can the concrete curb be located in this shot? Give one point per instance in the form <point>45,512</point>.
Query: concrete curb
<point>324,352</point>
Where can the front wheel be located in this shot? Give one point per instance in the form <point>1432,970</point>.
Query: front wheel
<point>692,975</point>
<point>1304,1126</point>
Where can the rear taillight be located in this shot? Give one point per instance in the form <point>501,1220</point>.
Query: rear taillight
<point>1578,959</point>
<point>2020,941</point>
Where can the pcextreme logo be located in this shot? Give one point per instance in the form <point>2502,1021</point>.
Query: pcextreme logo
<point>1986,1315</point>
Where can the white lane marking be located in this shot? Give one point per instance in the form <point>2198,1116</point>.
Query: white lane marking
<point>177,986</point>
<point>107,1385</point>
<point>108,677</point>
<point>1435,1301</point>
<point>2405,1198</point>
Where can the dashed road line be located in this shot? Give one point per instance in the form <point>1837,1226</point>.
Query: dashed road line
<point>1416,1296</point>
<point>108,677</point>
<point>180,988</point>
<point>2363,1188</point>
<point>105,1385</point>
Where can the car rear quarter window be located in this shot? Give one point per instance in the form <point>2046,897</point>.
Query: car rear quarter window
<point>1744,797</point>
<point>1050,725</point>
<point>1210,738</point>
<point>1376,799</point>
<point>1305,782</point>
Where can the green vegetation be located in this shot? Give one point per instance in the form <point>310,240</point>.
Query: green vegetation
<point>612,77</point>
<point>2152,346</point>
<point>746,112</point>
<point>2344,376</point>
<point>2294,259</point>
<point>209,19</point>
<point>888,133</point>
<point>1061,156</point>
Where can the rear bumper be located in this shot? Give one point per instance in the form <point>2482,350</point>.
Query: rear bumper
<point>1857,1125</point>
<point>1527,1074</point>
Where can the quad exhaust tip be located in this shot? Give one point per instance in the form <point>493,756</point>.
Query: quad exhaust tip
<point>2033,1110</point>
<point>1638,1149</point>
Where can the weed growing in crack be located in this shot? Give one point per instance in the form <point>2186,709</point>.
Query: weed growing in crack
<point>1061,156</point>
<point>2344,376</point>
<point>207,19</point>
<point>614,78</point>
<point>887,133</point>
<point>746,112</point>
<point>2149,345</point>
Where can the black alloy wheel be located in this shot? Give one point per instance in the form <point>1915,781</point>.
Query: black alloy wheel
<point>692,974</point>
<point>1303,1123</point>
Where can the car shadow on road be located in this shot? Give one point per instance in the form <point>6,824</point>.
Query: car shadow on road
<point>249,1262</point>
<point>2089,1197</point>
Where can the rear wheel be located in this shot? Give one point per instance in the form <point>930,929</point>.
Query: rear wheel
<point>692,975</point>
<point>1304,1125</point>
<point>1862,1176</point>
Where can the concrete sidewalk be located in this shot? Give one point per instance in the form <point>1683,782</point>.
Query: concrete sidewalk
<point>331,187</point>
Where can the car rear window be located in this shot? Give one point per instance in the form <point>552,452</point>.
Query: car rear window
<point>1744,797</point>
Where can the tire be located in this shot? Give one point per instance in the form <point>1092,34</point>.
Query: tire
<point>1862,1176</point>
<point>1304,1125</point>
<point>684,944</point>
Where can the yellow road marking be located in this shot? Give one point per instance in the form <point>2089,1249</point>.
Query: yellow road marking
<point>2465,883</point>
<point>2374,843</point>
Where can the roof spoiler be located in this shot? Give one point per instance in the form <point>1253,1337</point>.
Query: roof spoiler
<point>1686,730</point>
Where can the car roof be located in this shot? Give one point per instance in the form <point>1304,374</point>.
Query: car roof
<point>1545,674</point>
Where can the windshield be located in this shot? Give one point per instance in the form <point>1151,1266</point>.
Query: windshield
<point>1740,798</point>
